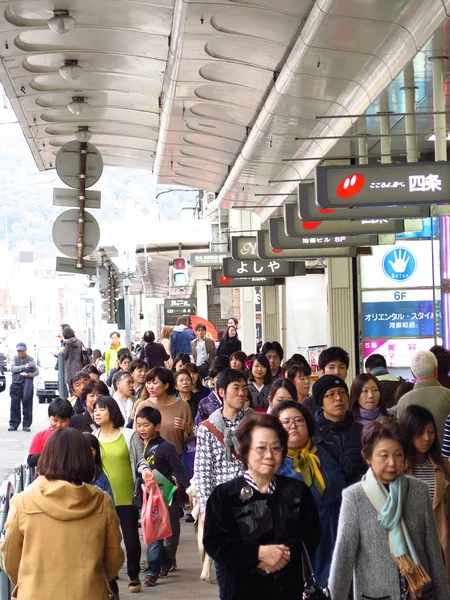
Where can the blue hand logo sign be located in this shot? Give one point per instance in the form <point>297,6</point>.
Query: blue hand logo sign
<point>399,264</point>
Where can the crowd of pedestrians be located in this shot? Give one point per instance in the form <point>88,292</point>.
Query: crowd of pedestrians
<point>351,475</point>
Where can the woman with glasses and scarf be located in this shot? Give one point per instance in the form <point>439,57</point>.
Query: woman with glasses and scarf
<point>321,466</point>
<point>387,537</point>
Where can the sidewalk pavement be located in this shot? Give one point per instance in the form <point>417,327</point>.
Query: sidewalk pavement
<point>182,584</point>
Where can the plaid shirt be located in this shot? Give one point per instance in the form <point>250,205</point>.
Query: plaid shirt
<point>211,469</point>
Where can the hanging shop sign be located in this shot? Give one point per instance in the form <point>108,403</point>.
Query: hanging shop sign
<point>262,268</point>
<point>243,246</point>
<point>265,251</point>
<point>178,307</point>
<point>207,259</point>
<point>295,227</point>
<point>408,264</point>
<point>309,211</point>
<point>383,185</point>
<point>219,280</point>
<point>279,239</point>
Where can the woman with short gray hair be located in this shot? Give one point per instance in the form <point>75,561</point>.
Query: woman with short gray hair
<point>387,538</point>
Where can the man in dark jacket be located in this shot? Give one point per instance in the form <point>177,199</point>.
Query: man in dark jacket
<point>332,361</point>
<point>336,423</point>
<point>181,337</point>
<point>23,370</point>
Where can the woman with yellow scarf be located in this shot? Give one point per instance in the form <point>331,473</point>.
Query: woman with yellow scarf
<point>321,465</point>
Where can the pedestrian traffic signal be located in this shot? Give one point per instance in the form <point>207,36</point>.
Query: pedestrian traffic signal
<point>180,275</point>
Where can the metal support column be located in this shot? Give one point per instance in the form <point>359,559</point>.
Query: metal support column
<point>363,147</point>
<point>412,151</point>
<point>440,127</point>
<point>385,129</point>
<point>126,309</point>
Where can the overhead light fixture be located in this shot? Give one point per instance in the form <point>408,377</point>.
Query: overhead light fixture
<point>70,70</point>
<point>61,22</point>
<point>431,137</point>
<point>78,106</point>
<point>83,134</point>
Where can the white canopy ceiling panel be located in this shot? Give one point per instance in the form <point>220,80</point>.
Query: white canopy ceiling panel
<point>122,49</point>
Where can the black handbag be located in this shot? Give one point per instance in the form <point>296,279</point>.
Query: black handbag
<point>138,493</point>
<point>311,589</point>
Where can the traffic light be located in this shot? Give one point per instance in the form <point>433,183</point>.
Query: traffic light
<point>180,275</point>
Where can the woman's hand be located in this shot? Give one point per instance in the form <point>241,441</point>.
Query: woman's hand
<point>273,558</point>
<point>181,424</point>
<point>147,475</point>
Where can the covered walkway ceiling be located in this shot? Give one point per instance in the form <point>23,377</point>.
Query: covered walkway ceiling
<point>213,94</point>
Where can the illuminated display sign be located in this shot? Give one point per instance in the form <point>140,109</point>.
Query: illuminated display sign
<point>295,227</point>
<point>262,268</point>
<point>383,185</point>
<point>279,239</point>
<point>219,280</point>
<point>213,259</point>
<point>309,211</point>
<point>243,246</point>
<point>265,250</point>
<point>397,352</point>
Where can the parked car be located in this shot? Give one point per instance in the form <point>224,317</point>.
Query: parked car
<point>4,355</point>
<point>47,380</point>
<point>2,381</point>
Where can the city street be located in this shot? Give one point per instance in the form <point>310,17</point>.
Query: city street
<point>14,444</point>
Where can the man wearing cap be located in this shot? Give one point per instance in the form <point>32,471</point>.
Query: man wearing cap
<point>336,423</point>
<point>23,370</point>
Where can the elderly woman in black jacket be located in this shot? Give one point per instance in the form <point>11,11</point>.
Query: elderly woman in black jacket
<point>255,523</point>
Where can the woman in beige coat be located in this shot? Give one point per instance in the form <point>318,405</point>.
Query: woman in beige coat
<point>62,534</point>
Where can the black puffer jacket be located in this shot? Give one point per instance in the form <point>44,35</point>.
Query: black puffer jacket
<point>347,436</point>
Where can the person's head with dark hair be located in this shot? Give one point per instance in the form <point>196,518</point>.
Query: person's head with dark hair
<point>260,370</point>
<point>220,334</point>
<point>61,329</point>
<point>231,386</point>
<point>92,391</point>
<point>402,389</point>
<point>375,361</point>
<point>92,371</point>
<point>383,448</point>
<point>183,383</point>
<point>259,437</point>
<point>183,321</point>
<point>298,422</point>
<point>238,360</point>
<point>148,423</point>
<point>443,359</point>
<point>68,333</point>
<point>195,376</point>
<point>232,322</point>
<point>301,376</point>
<point>366,400</point>
<point>331,395</point>
<point>159,383</point>
<point>334,361</point>
<point>274,354</point>
<point>95,449</point>
<point>180,360</point>
<point>59,413</point>
<point>419,428</point>
<point>214,373</point>
<point>200,331</point>
<point>97,354</point>
<point>67,456</point>
<point>149,337</point>
<point>107,412</point>
<point>124,359</point>
<point>138,371</point>
<point>296,359</point>
<point>78,382</point>
<point>222,361</point>
<point>282,390</point>
<point>230,332</point>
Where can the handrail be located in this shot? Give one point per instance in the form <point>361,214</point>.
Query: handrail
<point>18,481</point>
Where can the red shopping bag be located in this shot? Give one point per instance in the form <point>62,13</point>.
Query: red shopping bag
<point>155,520</point>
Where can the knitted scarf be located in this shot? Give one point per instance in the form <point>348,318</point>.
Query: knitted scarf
<point>389,507</point>
<point>308,465</point>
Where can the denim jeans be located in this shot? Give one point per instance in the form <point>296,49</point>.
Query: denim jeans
<point>157,558</point>
<point>220,578</point>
